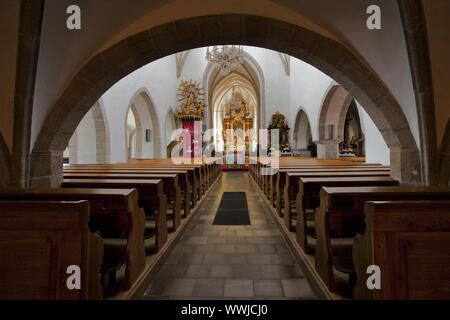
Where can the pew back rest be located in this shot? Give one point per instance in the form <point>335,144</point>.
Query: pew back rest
<point>38,242</point>
<point>109,208</point>
<point>409,241</point>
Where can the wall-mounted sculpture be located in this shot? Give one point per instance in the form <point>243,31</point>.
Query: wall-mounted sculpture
<point>278,121</point>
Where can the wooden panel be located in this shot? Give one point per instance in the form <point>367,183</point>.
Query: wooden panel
<point>341,210</point>
<point>38,255</point>
<point>413,256</point>
<point>38,241</point>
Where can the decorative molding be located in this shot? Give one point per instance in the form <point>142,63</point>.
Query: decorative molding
<point>286,61</point>
<point>180,58</point>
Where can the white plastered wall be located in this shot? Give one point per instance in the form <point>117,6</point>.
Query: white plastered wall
<point>158,81</point>
<point>86,141</point>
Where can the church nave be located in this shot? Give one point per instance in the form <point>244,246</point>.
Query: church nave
<point>218,150</point>
<point>231,262</point>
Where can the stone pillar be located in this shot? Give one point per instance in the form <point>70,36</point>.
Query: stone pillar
<point>47,169</point>
<point>405,165</point>
<point>327,149</point>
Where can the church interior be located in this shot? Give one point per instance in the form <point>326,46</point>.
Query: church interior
<point>209,150</point>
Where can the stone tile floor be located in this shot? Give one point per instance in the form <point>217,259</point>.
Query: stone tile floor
<point>231,262</point>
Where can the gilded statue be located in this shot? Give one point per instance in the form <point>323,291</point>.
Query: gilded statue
<point>191,101</point>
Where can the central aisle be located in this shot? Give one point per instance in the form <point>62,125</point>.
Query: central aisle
<point>228,262</point>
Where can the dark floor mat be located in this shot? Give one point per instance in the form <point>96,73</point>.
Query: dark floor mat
<point>233,210</point>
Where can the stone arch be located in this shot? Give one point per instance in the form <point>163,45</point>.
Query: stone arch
<point>302,137</point>
<point>4,163</point>
<point>170,126</point>
<point>333,111</point>
<point>73,148</point>
<point>103,141</point>
<point>329,56</point>
<point>334,108</point>
<point>144,110</point>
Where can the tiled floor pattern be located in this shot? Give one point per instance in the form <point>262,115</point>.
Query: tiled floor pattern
<point>231,262</point>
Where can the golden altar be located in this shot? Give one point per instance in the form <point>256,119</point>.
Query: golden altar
<point>236,126</point>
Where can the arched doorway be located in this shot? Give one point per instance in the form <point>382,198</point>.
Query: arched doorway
<point>129,54</point>
<point>353,139</point>
<point>332,120</point>
<point>170,126</point>
<point>303,145</point>
<point>148,134</point>
<point>90,143</point>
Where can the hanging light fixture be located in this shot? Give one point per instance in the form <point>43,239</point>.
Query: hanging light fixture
<point>226,58</point>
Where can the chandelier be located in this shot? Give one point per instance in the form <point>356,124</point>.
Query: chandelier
<point>226,58</point>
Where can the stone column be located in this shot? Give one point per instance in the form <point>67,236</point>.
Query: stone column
<point>47,169</point>
<point>405,166</point>
<point>327,149</point>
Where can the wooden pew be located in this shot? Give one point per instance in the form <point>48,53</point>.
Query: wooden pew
<point>184,181</point>
<point>170,187</point>
<point>291,186</point>
<point>199,177</point>
<point>279,180</point>
<point>409,241</point>
<point>308,197</point>
<point>341,210</point>
<point>114,213</point>
<point>204,173</point>
<point>200,170</point>
<point>192,186</point>
<point>285,167</point>
<point>197,172</point>
<point>151,198</point>
<point>209,165</point>
<point>38,242</point>
<point>267,178</point>
<point>262,173</point>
